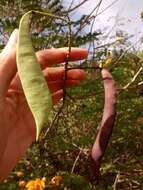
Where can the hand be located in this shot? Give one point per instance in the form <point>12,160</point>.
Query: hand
<point>17,126</point>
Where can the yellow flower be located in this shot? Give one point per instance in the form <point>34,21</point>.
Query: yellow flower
<point>120,39</point>
<point>37,184</point>
<point>107,61</point>
<point>56,180</point>
<point>19,174</point>
<point>22,183</point>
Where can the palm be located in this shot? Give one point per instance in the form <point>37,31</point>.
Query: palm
<point>19,129</point>
<point>16,121</point>
<point>19,114</point>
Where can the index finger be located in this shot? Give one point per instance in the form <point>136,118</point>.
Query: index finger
<point>49,57</point>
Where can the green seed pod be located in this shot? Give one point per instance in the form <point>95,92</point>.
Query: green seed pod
<point>33,82</point>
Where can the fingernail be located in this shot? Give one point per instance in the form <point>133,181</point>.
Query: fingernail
<point>11,44</point>
<point>13,38</point>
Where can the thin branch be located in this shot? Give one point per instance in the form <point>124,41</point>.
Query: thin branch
<point>116,181</point>
<point>126,50</point>
<point>82,25</point>
<point>90,16</point>
<point>77,6</point>
<point>140,83</point>
<point>55,119</point>
<point>67,59</point>
<point>108,44</point>
<point>90,68</point>
<point>91,29</point>
<point>110,5</point>
<point>70,6</point>
<point>76,160</point>
<point>134,78</point>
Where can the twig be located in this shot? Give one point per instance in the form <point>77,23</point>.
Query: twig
<point>140,83</point>
<point>80,67</point>
<point>77,6</point>
<point>122,55</point>
<point>76,160</point>
<point>70,6</point>
<point>66,62</point>
<point>104,45</point>
<point>81,150</point>
<point>107,7</point>
<point>67,59</point>
<point>134,78</point>
<point>116,181</point>
<point>90,16</point>
<point>91,29</point>
<point>82,25</point>
<point>53,121</point>
<point>75,145</point>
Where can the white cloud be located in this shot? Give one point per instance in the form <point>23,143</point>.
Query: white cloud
<point>129,10</point>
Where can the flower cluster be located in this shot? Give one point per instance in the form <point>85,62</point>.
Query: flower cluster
<point>38,184</point>
<point>55,181</point>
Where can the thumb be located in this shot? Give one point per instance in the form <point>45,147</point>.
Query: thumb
<point>12,41</point>
<point>8,63</point>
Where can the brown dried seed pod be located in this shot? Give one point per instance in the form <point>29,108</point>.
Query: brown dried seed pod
<point>106,127</point>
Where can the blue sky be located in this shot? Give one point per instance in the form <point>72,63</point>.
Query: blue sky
<point>124,14</point>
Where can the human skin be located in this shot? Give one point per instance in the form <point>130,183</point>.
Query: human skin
<point>17,126</point>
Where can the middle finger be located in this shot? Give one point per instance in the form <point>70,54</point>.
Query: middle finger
<point>57,73</point>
